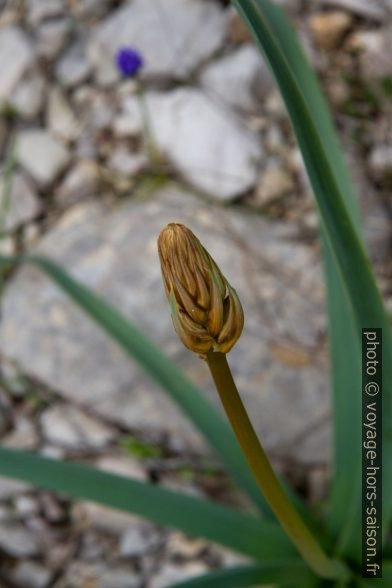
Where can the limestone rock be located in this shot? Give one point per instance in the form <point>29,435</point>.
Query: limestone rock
<point>240,79</point>
<point>114,253</point>
<point>166,38</point>
<point>41,155</point>
<point>16,58</point>
<point>208,145</point>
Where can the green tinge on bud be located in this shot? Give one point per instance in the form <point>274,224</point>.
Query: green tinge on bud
<point>206,311</point>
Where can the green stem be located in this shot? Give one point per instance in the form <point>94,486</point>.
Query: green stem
<point>276,497</point>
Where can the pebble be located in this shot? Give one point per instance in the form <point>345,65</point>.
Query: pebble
<point>380,161</point>
<point>80,182</point>
<point>73,67</point>
<point>30,574</point>
<point>68,427</point>
<point>39,10</point>
<point>18,541</point>
<point>274,183</point>
<point>210,147</point>
<point>328,28</point>
<point>41,155</point>
<point>16,58</point>
<point>29,95</point>
<point>60,118</point>
<point>138,540</point>
<point>52,37</point>
<point>23,204</point>
<point>170,573</point>
<point>123,161</point>
<point>241,79</point>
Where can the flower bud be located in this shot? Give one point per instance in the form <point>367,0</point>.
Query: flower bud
<point>206,311</point>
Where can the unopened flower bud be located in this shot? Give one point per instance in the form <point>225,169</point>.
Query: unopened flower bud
<point>206,311</point>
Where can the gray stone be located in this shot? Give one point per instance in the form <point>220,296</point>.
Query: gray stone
<point>41,155</point>
<point>274,183</point>
<point>138,540</point>
<point>16,58</point>
<point>91,8</point>
<point>29,95</point>
<point>123,161</point>
<point>171,573</point>
<point>374,48</point>
<point>241,79</point>
<point>380,161</point>
<point>11,488</point>
<point>73,68</point>
<point>371,9</point>
<point>18,541</point>
<point>114,253</point>
<point>68,427</point>
<point>39,10</point>
<point>80,182</point>
<point>52,36</point>
<point>30,574</point>
<point>23,435</point>
<point>210,147</point>
<point>164,35</point>
<point>98,575</point>
<point>23,205</point>
<point>60,118</point>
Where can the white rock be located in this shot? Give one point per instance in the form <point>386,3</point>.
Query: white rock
<point>23,436</point>
<point>67,426</point>
<point>372,9</point>
<point>10,488</point>
<point>240,78</point>
<point>275,182</point>
<point>374,48</point>
<point>123,161</point>
<point>52,36</point>
<point>170,573</point>
<point>60,119</point>
<point>138,540</point>
<point>25,505</point>
<point>165,37</point>
<point>29,95</point>
<point>208,145</point>
<point>16,58</point>
<point>39,10</point>
<point>80,182</point>
<point>23,205</point>
<point>41,155</point>
<point>31,574</point>
<point>73,68</point>
<point>18,541</point>
<point>380,160</point>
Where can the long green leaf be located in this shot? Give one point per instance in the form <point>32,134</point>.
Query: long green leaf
<point>182,391</point>
<point>344,349</point>
<point>244,533</point>
<point>285,573</point>
<point>340,233</point>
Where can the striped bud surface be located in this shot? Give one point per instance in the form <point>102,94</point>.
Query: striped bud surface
<point>206,311</point>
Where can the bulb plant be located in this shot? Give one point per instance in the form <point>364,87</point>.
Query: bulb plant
<point>290,546</point>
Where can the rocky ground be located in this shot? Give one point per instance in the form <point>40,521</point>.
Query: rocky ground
<point>100,164</point>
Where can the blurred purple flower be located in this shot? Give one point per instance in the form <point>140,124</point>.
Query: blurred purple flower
<point>128,61</point>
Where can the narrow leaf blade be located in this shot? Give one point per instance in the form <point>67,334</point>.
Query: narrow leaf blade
<point>244,533</point>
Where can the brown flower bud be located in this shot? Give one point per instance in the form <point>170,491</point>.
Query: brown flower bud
<point>206,311</point>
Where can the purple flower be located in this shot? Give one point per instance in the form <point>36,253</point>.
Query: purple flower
<point>128,61</point>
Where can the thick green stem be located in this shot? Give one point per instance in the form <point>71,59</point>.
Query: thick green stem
<point>276,497</point>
